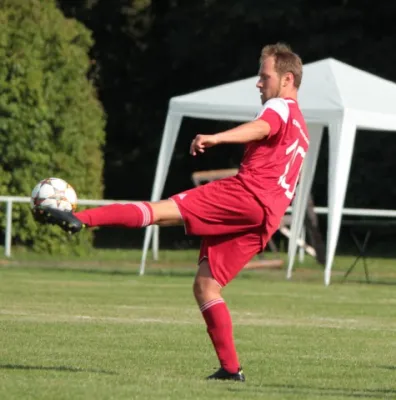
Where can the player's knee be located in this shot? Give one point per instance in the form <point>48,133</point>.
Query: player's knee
<point>166,212</point>
<point>205,289</point>
<point>198,288</point>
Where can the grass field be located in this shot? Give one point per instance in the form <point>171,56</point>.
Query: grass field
<point>93,329</point>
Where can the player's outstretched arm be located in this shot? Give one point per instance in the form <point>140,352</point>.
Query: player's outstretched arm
<point>245,133</point>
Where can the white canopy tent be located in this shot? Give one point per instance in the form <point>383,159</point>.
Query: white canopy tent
<point>333,95</point>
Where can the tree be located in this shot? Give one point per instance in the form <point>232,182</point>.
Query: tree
<point>51,122</point>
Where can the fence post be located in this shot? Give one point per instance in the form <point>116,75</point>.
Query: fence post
<point>155,244</point>
<point>8,229</point>
<point>301,250</point>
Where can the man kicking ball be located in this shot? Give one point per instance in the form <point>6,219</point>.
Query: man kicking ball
<point>235,216</point>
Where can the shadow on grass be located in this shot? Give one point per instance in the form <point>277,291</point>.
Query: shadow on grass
<point>177,271</point>
<point>53,368</point>
<point>362,280</point>
<point>305,391</point>
<point>389,367</point>
<point>131,273</point>
<point>306,275</point>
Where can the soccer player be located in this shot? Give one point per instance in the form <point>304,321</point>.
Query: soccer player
<point>235,216</point>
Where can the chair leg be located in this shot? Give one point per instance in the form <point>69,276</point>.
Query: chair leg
<point>352,266</point>
<point>272,246</point>
<point>366,239</point>
<point>362,254</point>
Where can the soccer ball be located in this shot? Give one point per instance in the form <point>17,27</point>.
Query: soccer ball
<point>54,193</point>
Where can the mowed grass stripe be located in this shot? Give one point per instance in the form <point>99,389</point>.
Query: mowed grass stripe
<point>78,335</point>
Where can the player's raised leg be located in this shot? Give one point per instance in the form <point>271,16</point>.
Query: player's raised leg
<point>207,292</point>
<point>131,215</point>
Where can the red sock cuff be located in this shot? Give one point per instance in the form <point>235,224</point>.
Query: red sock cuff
<point>211,303</point>
<point>147,211</point>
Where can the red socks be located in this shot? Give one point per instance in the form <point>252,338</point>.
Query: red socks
<point>134,215</point>
<point>218,321</point>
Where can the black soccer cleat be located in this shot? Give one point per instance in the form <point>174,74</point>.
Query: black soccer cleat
<point>65,219</point>
<point>223,375</point>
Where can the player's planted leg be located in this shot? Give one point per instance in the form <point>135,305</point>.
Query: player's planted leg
<point>219,324</point>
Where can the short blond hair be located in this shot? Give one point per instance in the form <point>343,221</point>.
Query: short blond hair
<point>285,60</point>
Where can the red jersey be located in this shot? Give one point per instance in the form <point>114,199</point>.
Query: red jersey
<point>271,167</point>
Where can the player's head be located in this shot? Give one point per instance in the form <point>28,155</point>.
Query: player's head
<point>280,72</point>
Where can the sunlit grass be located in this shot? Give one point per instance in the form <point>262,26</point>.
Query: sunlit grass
<point>74,331</point>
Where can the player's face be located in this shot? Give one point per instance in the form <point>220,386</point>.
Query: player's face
<point>269,82</point>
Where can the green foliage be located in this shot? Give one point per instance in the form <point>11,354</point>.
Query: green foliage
<point>51,123</point>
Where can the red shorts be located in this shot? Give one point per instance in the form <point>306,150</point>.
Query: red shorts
<point>230,221</point>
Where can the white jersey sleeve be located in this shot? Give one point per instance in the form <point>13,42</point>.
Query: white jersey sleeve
<point>278,105</point>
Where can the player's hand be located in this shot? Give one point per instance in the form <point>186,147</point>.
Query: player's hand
<point>202,142</point>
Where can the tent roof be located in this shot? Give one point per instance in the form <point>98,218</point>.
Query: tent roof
<point>328,87</point>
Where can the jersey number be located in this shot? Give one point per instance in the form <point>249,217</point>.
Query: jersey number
<point>293,150</point>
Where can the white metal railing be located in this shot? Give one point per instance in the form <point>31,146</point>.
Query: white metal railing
<point>9,200</point>
<point>357,212</point>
